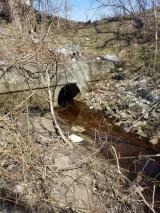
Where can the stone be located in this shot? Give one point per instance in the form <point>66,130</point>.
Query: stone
<point>3,144</point>
<point>141,133</point>
<point>62,162</point>
<point>143,93</point>
<point>145,116</point>
<point>108,108</point>
<point>111,57</point>
<point>78,129</point>
<point>66,50</point>
<point>120,69</point>
<point>153,140</point>
<point>76,139</point>
<point>47,124</point>
<point>2,62</point>
<point>131,104</point>
<point>140,123</point>
<point>119,123</point>
<point>123,115</point>
<point>20,188</point>
<point>36,40</point>
<point>118,76</point>
<point>11,167</point>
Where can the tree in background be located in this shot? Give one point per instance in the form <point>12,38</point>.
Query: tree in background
<point>127,7</point>
<point>14,10</point>
<point>141,12</point>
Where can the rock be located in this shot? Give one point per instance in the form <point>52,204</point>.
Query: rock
<point>141,133</point>
<point>2,62</point>
<point>78,129</point>
<point>111,57</point>
<point>66,50</point>
<point>47,124</point>
<point>62,162</point>
<point>35,40</point>
<point>153,140</point>
<point>87,39</point>
<point>155,114</point>
<point>140,123</point>
<point>76,139</point>
<point>123,115</point>
<point>115,107</point>
<point>23,125</point>
<point>11,167</point>
<point>119,123</point>
<point>120,69</point>
<point>42,139</point>
<point>108,108</point>
<point>118,76</point>
<point>146,115</point>
<point>128,123</point>
<point>143,93</point>
<point>20,188</point>
<point>131,104</point>
<point>73,59</point>
<point>3,144</point>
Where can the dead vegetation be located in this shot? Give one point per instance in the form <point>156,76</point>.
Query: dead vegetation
<point>52,176</point>
<point>38,172</point>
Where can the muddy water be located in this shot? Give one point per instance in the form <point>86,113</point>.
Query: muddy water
<point>134,154</point>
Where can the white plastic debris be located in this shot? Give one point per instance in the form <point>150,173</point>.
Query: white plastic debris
<point>76,139</point>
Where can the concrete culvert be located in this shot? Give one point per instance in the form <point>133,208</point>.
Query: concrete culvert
<point>68,93</point>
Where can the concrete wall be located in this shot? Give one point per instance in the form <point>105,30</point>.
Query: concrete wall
<point>83,73</point>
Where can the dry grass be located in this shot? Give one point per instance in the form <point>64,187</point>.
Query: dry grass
<point>32,179</point>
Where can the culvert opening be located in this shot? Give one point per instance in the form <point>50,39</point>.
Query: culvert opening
<point>68,93</point>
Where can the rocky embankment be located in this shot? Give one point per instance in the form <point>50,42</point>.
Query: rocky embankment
<point>134,103</point>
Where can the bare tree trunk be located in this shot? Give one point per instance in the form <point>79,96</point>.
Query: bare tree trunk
<point>15,10</point>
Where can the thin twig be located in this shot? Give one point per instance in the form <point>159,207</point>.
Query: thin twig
<point>154,188</point>
<point>55,123</point>
<point>144,200</point>
<point>116,159</point>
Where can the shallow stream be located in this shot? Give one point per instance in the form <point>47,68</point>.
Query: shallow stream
<point>136,157</point>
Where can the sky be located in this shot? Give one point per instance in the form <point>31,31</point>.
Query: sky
<point>80,10</point>
<point>83,10</point>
